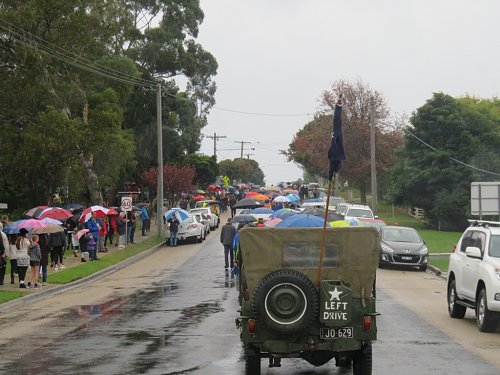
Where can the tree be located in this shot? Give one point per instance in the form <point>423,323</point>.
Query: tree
<point>310,145</point>
<point>205,166</point>
<point>50,53</point>
<point>430,174</point>
<point>244,170</point>
<point>176,180</point>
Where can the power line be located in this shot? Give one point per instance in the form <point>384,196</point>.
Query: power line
<point>452,158</point>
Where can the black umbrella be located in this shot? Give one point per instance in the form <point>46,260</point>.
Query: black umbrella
<point>316,211</point>
<point>73,206</point>
<point>244,219</point>
<point>248,203</point>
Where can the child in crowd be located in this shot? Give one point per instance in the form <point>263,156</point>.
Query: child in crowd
<point>35,254</point>
<point>91,246</point>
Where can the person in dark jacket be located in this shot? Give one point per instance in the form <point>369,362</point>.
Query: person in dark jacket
<point>227,233</point>
<point>44,262</point>
<point>58,244</point>
<point>174,228</point>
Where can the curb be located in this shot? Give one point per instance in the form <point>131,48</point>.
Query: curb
<point>436,271</point>
<point>54,291</point>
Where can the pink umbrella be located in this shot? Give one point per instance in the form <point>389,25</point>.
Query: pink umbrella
<point>272,222</point>
<point>80,233</point>
<point>32,223</point>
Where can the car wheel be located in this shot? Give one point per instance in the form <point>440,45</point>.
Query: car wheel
<point>286,301</point>
<point>200,238</point>
<point>423,268</point>
<point>252,360</point>
<point>362,361</point>
<point>487,320</point>
<point>454,309</point>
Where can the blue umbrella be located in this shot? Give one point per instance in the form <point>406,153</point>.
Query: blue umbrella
<point>286,215</point>
<point>293,198</point>
<point>13,228</point>
<point>262,210</point>
<point>179,212</point>
<point>301,221</point>
<point>281,211</point>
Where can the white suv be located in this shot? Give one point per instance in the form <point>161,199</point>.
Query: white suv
<point>474,275</point>
<point>358,211</point>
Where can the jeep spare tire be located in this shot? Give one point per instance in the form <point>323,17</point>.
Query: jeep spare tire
<point>285,301</point>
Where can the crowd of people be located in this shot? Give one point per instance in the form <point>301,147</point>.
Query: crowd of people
<point>22,251</point>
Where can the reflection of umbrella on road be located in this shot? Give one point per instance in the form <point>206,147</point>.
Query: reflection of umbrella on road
<point>301,221</point>
<point>80,233</point>
<point>57,213</point>
<point>50,228</point>
<point>100,211</point>
<point>248,203</point>
<point>179,212</point>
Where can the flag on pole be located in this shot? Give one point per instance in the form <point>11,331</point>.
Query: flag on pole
<point>336,151</point>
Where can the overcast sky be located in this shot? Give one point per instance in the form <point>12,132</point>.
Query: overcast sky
<point>278,56</point>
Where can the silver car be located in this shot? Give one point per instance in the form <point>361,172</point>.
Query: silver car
<point>402,246</point>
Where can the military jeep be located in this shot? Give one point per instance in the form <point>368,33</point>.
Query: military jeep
<point>285,314</point>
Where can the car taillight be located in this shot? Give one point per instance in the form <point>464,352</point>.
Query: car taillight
<point>367,323</point>
<point>192,226</point>
<point>246,295</point>
<point>454,248</point>
<point>251,326</point>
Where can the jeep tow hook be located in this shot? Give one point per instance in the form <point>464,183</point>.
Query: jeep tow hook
<point>238,322</point>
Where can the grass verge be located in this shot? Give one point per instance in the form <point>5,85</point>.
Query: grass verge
<point>441,263</point>
<point>8,295</point>
<point>85,269</point>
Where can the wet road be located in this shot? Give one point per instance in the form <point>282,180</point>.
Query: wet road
<point>184,324</point>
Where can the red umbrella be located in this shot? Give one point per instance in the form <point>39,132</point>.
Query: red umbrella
<point>199,197</point>
<point>213,188</point>
<point>251,194</point>
<point>100,211</point>
<point>80,233</point>
<point>56,213</point>
<point>112,212</point>
<point>31,212</point>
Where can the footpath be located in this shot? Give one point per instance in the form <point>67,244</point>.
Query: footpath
<point>71,261</point>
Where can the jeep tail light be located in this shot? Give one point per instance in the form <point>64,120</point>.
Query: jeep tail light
<point>192,226</point>
<point>454,248</point>
<point>367,323</point>
<point>251,326</point>
<point>246,295</point>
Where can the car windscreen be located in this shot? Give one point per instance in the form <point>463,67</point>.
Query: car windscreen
<point>359,212</point>
<point>400,235</point>
<point>495,246</point>
<point>188,220</point>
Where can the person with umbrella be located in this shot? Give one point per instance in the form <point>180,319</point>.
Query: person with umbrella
<point>58,242</point>
<point>94,227</point>
<point>4,248</point>
<point>173,222</point>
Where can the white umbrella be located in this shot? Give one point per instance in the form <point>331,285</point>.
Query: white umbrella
<point>49,220</point>
<point>281,199</point>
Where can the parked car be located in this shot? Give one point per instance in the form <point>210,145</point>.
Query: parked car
<point>334,201</point>
<point>214,219</point>
<point>402,246</point>
<point>341,207</point>
<point>202,218</point>
<point>376,223</point>
<point>213,205</point>
<point>189,229</point>
<point>474,275</point>
<point>357,211</point>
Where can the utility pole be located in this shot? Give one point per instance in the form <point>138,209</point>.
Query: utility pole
<point>159,197</point>
<point>215,137</point>
<point>242,143</point>
<point>372,155</point>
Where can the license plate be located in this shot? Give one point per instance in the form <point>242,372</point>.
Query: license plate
<point>406,258</point>
<point>336,333</point>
